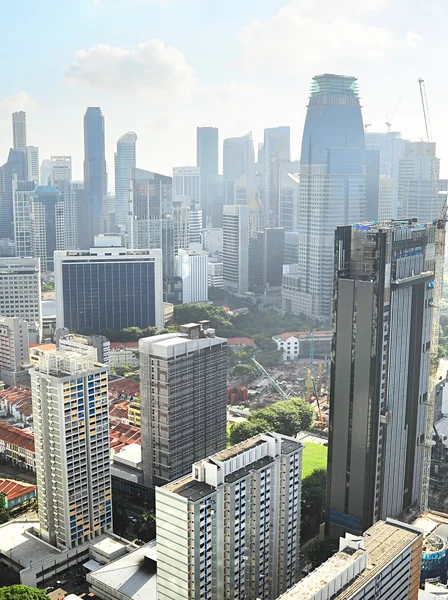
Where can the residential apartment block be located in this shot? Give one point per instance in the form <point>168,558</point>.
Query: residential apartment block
<point>14,350</point>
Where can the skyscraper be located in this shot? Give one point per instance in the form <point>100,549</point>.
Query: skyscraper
<point>235,253</point>
<point>238,155</point>
<point>74,217</point>
<point>241,510</point>
<point>95,173</point>
<point>183,400</point>
<point>332,185</point>
<point>71,427</point>
<point>108,288</point>
<point>19,131</point>
<point>32,159</point>
<point>47,215</point>
<point>61,169</point>
<point>125,163</point>
<point>23,222</point>
<point>192,268</point>
<point>45,172</point>
<point>289,186</point>
<point>276,148</point>
<point>207,161</point>
<point>15,165</point>
<point>382,324</point>
<point>187,182</point>
<point>14,350</point>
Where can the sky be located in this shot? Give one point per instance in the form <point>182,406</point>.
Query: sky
<point>163,67</point>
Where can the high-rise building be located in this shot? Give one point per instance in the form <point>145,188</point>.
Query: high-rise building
<point>215,199</point>
<point>288,215</point>
<point>32,160</point>
<point>187,182</point>
<point>372,184</point>
<point>256,214</point>
<point>125,163</point>
<point>418,173</point>
<point>19,131</point>
<point>235,252</point>
<point>207,161</point>
<point>74,217</point>
<point>212,240</point>
<point>383,564</point>
<point>20,292</point>
<point>215,272</point>
<point>241,510</point>
<point>14,350</point>
<point>382,324</point>
<point>291,247</point>
<point>276,148</point>
<point>332,185</point>
<point>266,257</point>
<point>192,268</point>
<point>95,346</point>
<point>71,434</point>
<point>95,172</point>
<point>108,288</point>
<point>23,222</point>
<point>386,197</point>
<point>61,169</point>
<point>195,224</point>
<point>47,214</point>
<point>15,165</point>
<point>151,220</point>
<point>45,172</point>
<point>183,400</point>
<point>238,154</point>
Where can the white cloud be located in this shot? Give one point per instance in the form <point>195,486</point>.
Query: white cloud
<point>16,102</point>
<point>152,67</point>
<point>307,31</point>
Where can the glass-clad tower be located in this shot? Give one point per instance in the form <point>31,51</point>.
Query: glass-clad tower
<point>332,185</point>
<point>95,174</point>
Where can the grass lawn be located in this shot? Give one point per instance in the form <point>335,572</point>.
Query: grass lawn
<point>314,457</point>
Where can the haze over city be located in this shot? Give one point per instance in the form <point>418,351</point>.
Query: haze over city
<point>160,68</point>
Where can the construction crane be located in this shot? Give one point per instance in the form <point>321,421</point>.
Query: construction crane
<point>389,120</point>
<point>438,284</point>
<point>280,390</point>
<point>320,423</point>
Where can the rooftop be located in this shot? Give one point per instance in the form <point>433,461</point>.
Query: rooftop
<point>17,437</point>
<point>17,540</point>
<point>14,489</point>
<point>243,341</point>
<point>189,488</point>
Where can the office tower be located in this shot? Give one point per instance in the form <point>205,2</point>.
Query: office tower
<point>418,173</point>
<point>276,148</point>
<point>23,222</point>
<point>47,214</point>
<point>235,253</point>
<point>108,288</point>
<point>256,214</point>
<point>382,324</point>
<point>207,161</point>
<point>20,292</point>
<point>15,165</point>
<point>183,399</point>
<point>151,220</point>
<point>71,435</point>
<point>181,222</point>
<point>386,199</point>
<point>266,257</point>
<point>187,182</point>
<point>244,186</point>
<point>238,154</point>
<point>195,224</point>
<point>212,240</point>
<point>332,185</point>
<point>61,169</point>
<point>95,346</point>
<point>215,199</point>
<point>215,272</point>
<point>125,163</point>
<point>14,350</point>
<point>192,268</point>
<point>288,215</point>
<point>372,184</point>
<point>383,564</point>
<point>45,172</point>
<point>74,218</point>
<point>291,248</point>
<point>290,289</point>
<point>95,173</point>
<point>19,131</point>
<point>32,160</point>
<point>241,510</point>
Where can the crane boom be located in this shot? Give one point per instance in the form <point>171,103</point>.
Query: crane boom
<point>437,296</point>
<point>280,390</point>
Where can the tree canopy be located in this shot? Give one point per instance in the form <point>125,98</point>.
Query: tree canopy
<point>22,592</point>
<point>321,550</point>
<point>313,501</point>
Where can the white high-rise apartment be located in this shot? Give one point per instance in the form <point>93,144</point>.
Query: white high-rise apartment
<point>125,162</point>
<point>14,350</point>
<point>61,169</point>
<point>32,160</point>
<point>71,433</point>
<point>192,268</point>
<point>20,292</point>
<point>235,227</point>
<point>231,529</point>
<point>19,131</point>
<point>187,182</point>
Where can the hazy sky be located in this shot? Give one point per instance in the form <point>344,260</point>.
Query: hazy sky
<point>162,67</point>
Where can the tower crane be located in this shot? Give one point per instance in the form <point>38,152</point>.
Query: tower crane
<point>438,284</point>
<point>280,390</point>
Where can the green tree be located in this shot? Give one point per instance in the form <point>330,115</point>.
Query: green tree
<point>22,592</point>
<point>313,501</point>
<point>269,359</point>
<point>321,550</point>
<point>4,517</point>
<point>245,372</point>
<point>145,526</point>
<point>243,431</point>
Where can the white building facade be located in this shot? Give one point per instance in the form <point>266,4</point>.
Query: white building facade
<point>125,162</point>
<point>187,182</point>
<point>192,268</point>
<point>235,227</point>
<point>61,169</point>
<point>14,350</point>
<point>32,162</point>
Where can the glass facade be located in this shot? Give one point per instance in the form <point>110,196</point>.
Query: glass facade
<point>108,294</point>
<point>95,175</point>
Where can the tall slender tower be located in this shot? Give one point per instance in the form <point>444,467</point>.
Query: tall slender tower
<point>207,161</point>
<point>95,173</point>
<point>125,163</point>
<point>277,149</point>
<point>382,327</point>
<point>71,426</point>
<point>332,185</point>
<point>19,131</point>
<point>235,246</point>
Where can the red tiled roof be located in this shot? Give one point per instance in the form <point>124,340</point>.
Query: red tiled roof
<point>19,397</point>
<point>14,489</point>
<point>43,347</point>
<point>124,386</point>
<point>17,437</point>
<point>122,434</point>
<point>115,345</point>
<point>120,411</point>
<point>238,341</point>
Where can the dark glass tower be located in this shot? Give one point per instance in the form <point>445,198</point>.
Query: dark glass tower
<point>207,161</point>
<point>95,174</point>
<point>15,165</point>
<point>332,185</point>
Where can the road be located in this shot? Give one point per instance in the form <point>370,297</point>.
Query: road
<point>10,472</point>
